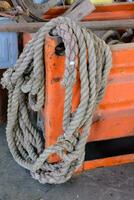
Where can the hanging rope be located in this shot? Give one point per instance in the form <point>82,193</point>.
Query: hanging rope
<point>25,84</point>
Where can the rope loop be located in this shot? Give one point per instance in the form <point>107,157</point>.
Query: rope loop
<point>25,84</point>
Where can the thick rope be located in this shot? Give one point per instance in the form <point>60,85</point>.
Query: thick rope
<point>25,84</point>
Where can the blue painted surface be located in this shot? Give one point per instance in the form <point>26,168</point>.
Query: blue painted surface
<point>40,1</point>
<point>8,47</point>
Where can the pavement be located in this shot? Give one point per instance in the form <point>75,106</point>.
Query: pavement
<point>113,183</point>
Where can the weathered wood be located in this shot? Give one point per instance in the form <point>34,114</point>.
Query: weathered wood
<point>79,9</point>
<point>95,25</point>
<point>4,14</point>
<point>110,24</point>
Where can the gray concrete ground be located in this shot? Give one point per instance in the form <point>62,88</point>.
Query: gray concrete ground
<point>115,183</point>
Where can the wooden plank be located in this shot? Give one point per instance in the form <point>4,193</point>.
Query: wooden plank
<point>79,9</point>
<point>95,25</point>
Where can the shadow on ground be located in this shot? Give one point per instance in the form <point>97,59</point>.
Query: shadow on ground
<point>115,183</point>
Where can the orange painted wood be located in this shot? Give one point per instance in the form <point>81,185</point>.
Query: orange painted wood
<point>102,12</point>
<point>107,162</point>
<point>113,11</point>
<point>26,38</point>
<point>114,117</point>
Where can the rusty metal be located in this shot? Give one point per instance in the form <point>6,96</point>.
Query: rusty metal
<point>34,11</point>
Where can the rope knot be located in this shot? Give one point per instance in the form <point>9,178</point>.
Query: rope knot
<point>26,92</point>
<point>6,80</point>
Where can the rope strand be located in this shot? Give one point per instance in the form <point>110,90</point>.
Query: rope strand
<point>25,84</point>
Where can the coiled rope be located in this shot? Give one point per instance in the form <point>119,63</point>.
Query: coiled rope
<point>25,84</point>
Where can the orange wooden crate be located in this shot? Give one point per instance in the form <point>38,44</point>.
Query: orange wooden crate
<point>102,12</point>
<point>115,115</point>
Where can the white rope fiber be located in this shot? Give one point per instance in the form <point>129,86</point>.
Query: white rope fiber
<point>25,84</point>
